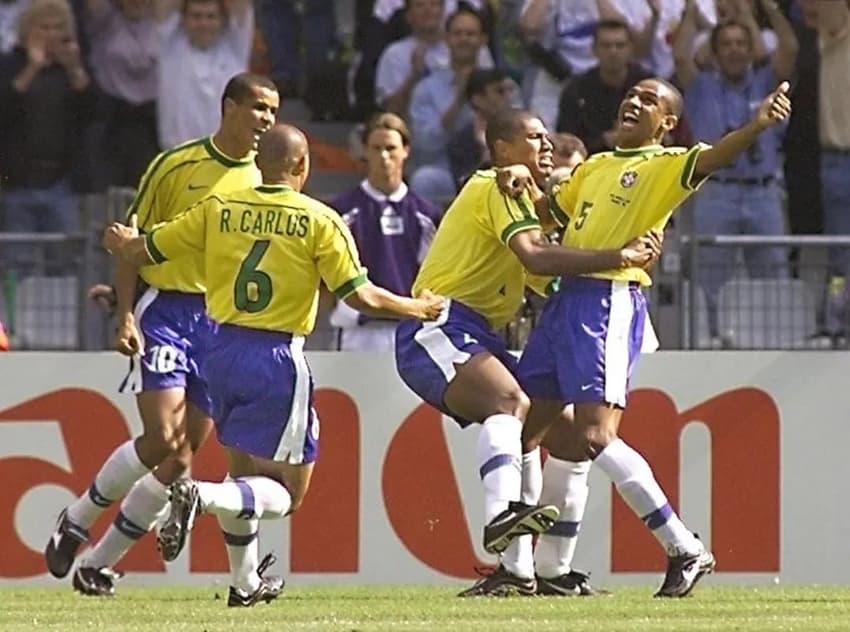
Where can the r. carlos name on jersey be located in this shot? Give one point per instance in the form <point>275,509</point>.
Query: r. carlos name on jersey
<point>264,222</point>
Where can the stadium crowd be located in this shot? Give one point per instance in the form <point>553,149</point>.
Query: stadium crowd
<point>91,90</point>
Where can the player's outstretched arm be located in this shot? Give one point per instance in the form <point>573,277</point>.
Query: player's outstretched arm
<point>773,110</point>
<point>380,303</point>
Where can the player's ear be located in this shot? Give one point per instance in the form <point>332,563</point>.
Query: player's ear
<point>670,122</point>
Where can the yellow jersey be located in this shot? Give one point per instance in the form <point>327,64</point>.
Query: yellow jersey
<point>469,259</point>
<point>617,196</point>
<point>174,181</point>
<point>265,250</point>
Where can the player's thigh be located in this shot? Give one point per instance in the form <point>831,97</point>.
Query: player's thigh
<point>563,439</point>
<point>542,417</point>
<point>163,413</point>
<point>485,386</point>
<point>199,424</point>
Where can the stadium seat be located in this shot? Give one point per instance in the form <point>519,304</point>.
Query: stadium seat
<point>767,313</point>
<point>47,313</point>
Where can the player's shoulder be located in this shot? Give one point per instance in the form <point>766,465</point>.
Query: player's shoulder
<point>189,150</point>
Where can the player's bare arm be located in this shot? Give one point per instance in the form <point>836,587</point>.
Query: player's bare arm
<point>541,257</point>
<point>127,340</point>
<point>775,108</point>
<point>380,303</point>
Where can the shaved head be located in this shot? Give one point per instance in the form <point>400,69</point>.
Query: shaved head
<point>281,148</point>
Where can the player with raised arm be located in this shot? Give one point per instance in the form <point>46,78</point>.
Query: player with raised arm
<point>266,250</point>
<point>161,330</point>
<point>587,342</point>
<point>485,247</point>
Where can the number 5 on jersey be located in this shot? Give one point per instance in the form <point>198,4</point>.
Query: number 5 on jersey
<point>252,291</point>
<point>582,215</point>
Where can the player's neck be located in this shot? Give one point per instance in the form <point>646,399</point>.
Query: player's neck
<point>230,146</point>
<point>387,186</point>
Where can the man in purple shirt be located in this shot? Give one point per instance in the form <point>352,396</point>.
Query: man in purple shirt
<point>393,228</point>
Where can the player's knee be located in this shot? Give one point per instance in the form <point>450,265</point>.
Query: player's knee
<point>595,439</point>
<point>516,403</point>
<point>164,441</point>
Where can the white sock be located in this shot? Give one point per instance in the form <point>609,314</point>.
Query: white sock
<point>519,556</point>
<point>115,478</point>
<point>565,486</point>
<point>499,455</point>
<point>246,497</point>
<point>633,478</point>
<point>140,511</point>
<point>243,551</point>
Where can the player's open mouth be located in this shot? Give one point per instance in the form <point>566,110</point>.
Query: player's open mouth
<point>629,118</point>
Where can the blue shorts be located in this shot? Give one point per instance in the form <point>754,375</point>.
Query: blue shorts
<point>262,393</point>
<point>173,327</point>
<point>426,353</point>
<point>586,344</point>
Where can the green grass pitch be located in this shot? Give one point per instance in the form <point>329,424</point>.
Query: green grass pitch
<point>808,609</point>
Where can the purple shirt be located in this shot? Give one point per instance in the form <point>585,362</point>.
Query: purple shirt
<point>392,233</point>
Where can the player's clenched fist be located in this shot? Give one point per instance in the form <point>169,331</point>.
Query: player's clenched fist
<point>432,305</point>
<point>127,340</point>
<point>775,108</point>
<point>117,234</point>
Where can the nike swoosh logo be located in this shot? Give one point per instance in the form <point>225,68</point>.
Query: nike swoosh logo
<point>56,538</point>
<point>586,386</point>
<point>195,187</point>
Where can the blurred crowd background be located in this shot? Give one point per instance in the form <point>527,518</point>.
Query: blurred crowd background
<point>91,90</point>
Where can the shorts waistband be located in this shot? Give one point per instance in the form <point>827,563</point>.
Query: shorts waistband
<point>575,283</point>
<point>275,337</point>
<point>456,307</point>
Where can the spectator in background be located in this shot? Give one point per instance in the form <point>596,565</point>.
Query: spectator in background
<point>392,226</point>
<point>488,91</point>
<point>802,145</point>
<point>833,22</point>
<point>439,109</point>
<point>378,24</point>
<point>46,99</point>
<point>590,104</point>
<point>746,12</point>
<point>744,198</point>
<point>424,51</point>
<point>302,46</point>
<point>559,38</point>
<point>203,43</point>
<point>124,56</point>
<point>9,12</point>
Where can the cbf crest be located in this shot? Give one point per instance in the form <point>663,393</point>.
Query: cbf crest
<point>628,179</point>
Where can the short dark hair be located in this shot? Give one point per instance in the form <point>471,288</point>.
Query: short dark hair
<point>567,144</point>
<point>481,78</point>
<point>464,9</point>
<point>241,87</point>
<point>678,102</point>
<point>387,121</point>
<point>611,25</point>
<point>504,126</point>
<point>717,30</point>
